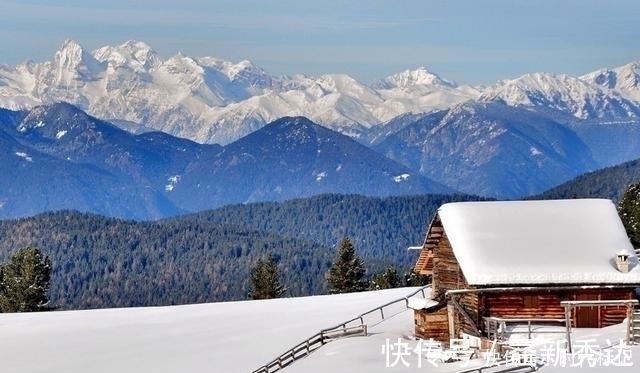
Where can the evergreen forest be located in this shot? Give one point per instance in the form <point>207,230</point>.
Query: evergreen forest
<point>100,262</point>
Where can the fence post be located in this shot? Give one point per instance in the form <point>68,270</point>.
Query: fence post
<point>567,320</point>
<point>629,322</point>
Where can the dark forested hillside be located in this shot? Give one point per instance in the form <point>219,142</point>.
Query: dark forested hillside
<point>381,229</point>
<point>609,182</point>
<point>107,262</point>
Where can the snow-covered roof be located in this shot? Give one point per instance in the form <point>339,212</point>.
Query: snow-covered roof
<point>539,242</point>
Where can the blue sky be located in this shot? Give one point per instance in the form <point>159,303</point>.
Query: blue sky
<point>469,41</point>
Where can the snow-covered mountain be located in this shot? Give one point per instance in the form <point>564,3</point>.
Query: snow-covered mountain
<point>490,149</point>
<point>58,157</point>
<point>625,79</point>
<point>210,100</point>
<point>565,94</point>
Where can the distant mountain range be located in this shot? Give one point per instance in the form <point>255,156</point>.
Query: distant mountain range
<point>241,134</point>
<point>209,100</point>
<point>58,157</point>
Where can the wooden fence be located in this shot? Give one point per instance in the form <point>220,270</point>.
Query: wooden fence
<point>355,326</point>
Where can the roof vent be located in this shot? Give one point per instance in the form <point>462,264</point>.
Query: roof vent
<point>622,261</point>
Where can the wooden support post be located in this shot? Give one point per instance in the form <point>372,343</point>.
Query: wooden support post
<point>451,319</point>
<point>629,323</point>
<point>567,320</point>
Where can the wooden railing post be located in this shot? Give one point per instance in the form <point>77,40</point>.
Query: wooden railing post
<point>629,323</point>
<point>567,320</point>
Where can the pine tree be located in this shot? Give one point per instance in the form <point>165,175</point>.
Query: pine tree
<point>346,275</point>
<point>265,280</point>
<point>629,211</point>
<point>415,279</point>
<point>388,279</point>
<point>25,282</point>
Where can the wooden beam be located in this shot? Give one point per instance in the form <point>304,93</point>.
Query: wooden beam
<point>464,314</point>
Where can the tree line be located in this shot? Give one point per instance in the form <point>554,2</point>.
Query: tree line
<point>73,260</point>
<point>347,274</point>
<point>100,262</point>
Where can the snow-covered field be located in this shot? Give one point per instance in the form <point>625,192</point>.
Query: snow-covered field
<point>224,337</point>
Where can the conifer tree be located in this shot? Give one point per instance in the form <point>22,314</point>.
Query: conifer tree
<point>265,280</point>
<point>415,279</point>
<point>629,211</point>
<point>346,275</point>
<point>388,279</point>
<point>25,282</point>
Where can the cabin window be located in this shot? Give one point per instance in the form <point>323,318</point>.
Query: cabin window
<point>531,301</point>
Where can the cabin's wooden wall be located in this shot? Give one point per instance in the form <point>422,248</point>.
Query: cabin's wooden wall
<point>447,274</point>
<point>512,304</point>
<point>518,304</point>
<point>546,304</point>
<point>432,323</point>
<point>614,315</point>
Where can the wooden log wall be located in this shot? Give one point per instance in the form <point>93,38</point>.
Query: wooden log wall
<point>447,274</point>
<point>469,303</point>
<point>432,324</point>
<point>614,315</point>
<point>546,304</point>
<point>512,304</point>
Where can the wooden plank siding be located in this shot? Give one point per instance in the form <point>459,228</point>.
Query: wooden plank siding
<point>537,304</point>
<point>432,323</point>
<point>469,303</point>
<point>447,274</point>
<point>513,305</point>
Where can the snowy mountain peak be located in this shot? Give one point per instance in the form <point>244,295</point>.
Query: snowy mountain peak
<point>625,79</point>
<point>72,60</point>
<point>409,78</point>
<point>134,54</point>
<point>564,93</point>
<point>247,73</point>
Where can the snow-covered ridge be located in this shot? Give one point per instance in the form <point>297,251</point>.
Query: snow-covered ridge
<point>565,93</point>
<point>210,100</point>
<point>207,99</point>
<point>625,79</point>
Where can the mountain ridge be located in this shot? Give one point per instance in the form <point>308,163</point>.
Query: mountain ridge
<point>106,170</point>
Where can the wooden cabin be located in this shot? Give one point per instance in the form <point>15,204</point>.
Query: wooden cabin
<point>520,259</point>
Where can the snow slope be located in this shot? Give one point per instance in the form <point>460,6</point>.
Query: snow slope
<point>222,337</point>
<point>217,337</point>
